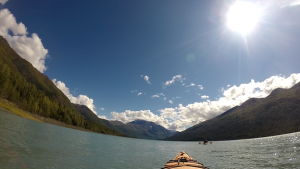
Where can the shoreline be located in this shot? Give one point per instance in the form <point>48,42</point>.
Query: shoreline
<point>9,107</point>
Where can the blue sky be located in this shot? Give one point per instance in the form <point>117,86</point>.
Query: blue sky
<point>124,54</point>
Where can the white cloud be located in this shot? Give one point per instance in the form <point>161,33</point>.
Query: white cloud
<point>157,95</point>
<point>133,91</point>
<point>3,1</point>
<point>81,99</point>
<point>170,101</point>
<point>204,97</point>
<point>192,84</point>
<point>103,117</point>
<point>165,98</point>
<point>101,108</point>
<point>153,96</point>
<point>200,87</point>
<point>192,114</point>
<point>177,97</point>
<point>129,116</point>
<point>174,78</point>
<point>29,48</point>
<point>146,78</point>
<point>140,93</point>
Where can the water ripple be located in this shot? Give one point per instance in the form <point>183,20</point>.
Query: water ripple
<point>29,144</point>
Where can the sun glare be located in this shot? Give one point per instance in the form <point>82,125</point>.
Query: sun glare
<point>243,17</point>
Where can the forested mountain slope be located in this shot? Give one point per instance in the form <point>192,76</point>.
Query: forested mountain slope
<point>89,115</point>
<point>33,91</point>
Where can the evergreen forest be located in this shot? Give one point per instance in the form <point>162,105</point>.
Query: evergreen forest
<point>34,92</point>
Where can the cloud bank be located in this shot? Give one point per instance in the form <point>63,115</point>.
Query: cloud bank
<point>102,117</point>
<point>29,48</point>
<point>81,99</point>
<point>179,117</point>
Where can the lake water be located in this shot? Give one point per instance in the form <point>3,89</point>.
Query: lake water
<point>28,144</point>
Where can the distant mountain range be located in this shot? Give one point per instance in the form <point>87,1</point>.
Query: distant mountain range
<point>278,113</point>
<point>143,129</point>
<point>137,129</point>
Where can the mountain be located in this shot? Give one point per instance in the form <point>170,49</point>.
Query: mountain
<point>143,129</point>
<point>89,115</point>
<point>278,113</point>
<point>34,92</point>
<point>138,128</point>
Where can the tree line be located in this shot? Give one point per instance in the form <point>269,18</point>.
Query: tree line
<point>15,88</point>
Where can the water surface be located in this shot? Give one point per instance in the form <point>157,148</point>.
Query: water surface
<point>29,144</point>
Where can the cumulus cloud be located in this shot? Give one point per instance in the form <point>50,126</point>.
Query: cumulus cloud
<point>133,91</point>
<point>29,48</point>
<point>170,101</point>
<point>102,117</point>
<point>101,108</point>
<point>146,78</point>
<point>192,114</point>
<point>81,99</point>
<point>129,116</point>
<point>174,78</point>
<point>3,1</point>
<point>204,97</point>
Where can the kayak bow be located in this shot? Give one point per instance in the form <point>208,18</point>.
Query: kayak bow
<point>183,161</point>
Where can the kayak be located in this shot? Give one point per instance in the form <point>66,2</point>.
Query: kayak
<point>183,161</point>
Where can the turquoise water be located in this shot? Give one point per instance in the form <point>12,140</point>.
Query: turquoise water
<point>28,144</point>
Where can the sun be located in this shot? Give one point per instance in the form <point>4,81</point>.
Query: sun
<point>243,17</point>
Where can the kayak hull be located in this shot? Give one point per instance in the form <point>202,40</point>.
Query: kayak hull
<point>183,161</point>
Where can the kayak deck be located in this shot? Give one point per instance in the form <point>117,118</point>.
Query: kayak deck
<point>183,161</point>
